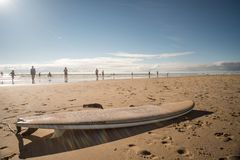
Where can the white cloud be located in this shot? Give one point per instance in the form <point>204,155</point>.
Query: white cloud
<point>161,55</point>
<point>169,55</point>
<point>121,65</point>
<point>133,55</point>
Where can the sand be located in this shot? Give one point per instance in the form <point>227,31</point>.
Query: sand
<point>210,131</point>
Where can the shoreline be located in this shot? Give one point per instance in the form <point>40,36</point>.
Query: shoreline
<point>111,79</point>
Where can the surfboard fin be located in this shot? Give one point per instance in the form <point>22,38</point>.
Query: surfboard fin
<point>29,131</point>
<point>19,129</point>
<point>58,133</point>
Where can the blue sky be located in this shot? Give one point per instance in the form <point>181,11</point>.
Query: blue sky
<point>136,35</point>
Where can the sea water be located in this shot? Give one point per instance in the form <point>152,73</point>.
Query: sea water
<point>25,79</point>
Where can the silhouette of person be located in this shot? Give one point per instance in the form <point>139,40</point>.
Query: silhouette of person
<point>2,76</point>
<point>103,74</point>
<point>39,74</point>
<point>157,74</point>
<point>33,73</point>
<point>167,74</point>
<point>96,72</point>
<point>65,74</point>
<point>49,76</point>
<point>113,75</point>
<point>12,75</point>
<point>132,75</point>
<point>149,74</point>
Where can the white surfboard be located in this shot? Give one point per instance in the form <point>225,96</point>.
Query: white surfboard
<point>107,118</point>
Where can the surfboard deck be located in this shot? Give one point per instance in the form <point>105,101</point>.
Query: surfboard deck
<point>107,118</point>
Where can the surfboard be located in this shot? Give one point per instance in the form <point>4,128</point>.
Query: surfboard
<point>106,118</point>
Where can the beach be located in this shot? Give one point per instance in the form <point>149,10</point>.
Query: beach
<point>210,131</point>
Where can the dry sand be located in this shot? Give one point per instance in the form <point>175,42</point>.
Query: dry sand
<point>211,131</point>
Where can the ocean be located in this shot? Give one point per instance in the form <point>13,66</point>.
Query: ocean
<point>25,79</point>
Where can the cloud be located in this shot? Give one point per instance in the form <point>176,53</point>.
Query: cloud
<point>223,66</point>
<point>161,55</point>
<point>116,64</point>
<point>132,55</point>
<point>169,55</point>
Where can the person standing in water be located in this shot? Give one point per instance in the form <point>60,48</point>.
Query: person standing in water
<point>65,74</point>
<point>2,76</point>
<point>102,74</point>
<point>96,72</point>
<point>12,75</point>
<point>33,73</point>
<point>49,76</point>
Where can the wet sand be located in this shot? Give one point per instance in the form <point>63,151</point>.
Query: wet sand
<point>210,131</point>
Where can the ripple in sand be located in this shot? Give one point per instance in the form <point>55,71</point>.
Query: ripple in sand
<point>6,153</point>
<point>3,147</point>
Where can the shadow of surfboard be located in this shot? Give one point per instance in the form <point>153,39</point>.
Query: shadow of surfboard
<point>79,139</point>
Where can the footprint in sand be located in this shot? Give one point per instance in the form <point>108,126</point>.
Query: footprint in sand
<point>230,158</point>
<point>166,140</point>
<point>184,152</point>
<point>234,114</point>
<point>131,145</point>
<point>134,152</point>
<point>132,94</point>
<point>132,105</point>
<point>225,137</point>
<point>146,154</point>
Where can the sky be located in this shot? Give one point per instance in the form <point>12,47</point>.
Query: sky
<point>120,36</point>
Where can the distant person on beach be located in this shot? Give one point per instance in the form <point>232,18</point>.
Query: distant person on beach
<point>65,74</point>
<point>12,74</point>
<point>49,76</point>
<point>33,73</point>
<point>113,75</point>
<point>2,76</point>
<point>132,75</point>
<point>39,74</point>
<point>149,74</point>
<point>167,74</point>
<point>96,72</point>
<point>103,74</point>
<point>157,74</point>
